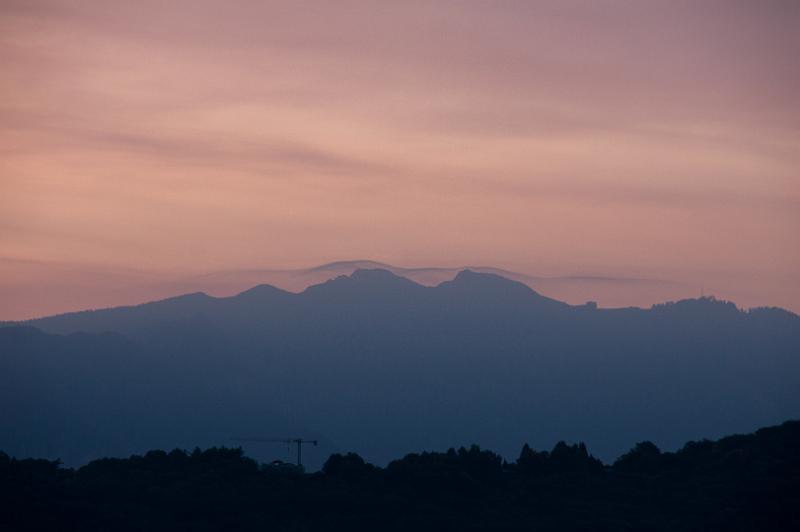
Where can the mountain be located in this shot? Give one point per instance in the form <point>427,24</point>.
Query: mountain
<point>378,364</point>
<point>577,289</point>
<point>32,289</point>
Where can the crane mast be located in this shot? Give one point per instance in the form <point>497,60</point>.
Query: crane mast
<point>288,441</point>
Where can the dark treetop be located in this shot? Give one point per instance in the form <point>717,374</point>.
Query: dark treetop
<point>749,482</point>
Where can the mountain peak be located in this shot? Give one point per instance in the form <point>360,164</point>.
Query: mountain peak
<point>496,287</point>
<point>259,291</point>
<point>363,283</point>
<point>375,278</point>
<point>470,278</point>
<point>470,275</point>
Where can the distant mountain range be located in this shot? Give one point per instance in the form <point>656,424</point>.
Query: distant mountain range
<point>32,289</point>
<point>576,289</point>
<point>376,363</point>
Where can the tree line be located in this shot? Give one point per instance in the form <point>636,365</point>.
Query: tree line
<point>742,482</point>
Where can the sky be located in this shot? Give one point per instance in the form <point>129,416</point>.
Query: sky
<point>149,140</point>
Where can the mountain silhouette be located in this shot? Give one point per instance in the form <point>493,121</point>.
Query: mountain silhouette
<point>53,288</point>
<point>378,364</point>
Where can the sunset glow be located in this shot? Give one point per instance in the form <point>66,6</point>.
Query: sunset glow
<point>145,142</point>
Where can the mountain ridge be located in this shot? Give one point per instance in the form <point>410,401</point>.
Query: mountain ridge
<point>39,296</point>
<point>464,277</point>
<point>377,363</point>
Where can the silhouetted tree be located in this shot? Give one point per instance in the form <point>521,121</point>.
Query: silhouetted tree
<point>532,462</point>
<point>349,466</point>
<point>573,458</point>
<point>645,457</point>
<point>743,482</point>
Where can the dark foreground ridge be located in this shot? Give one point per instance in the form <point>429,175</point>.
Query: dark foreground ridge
<point>744,482</point>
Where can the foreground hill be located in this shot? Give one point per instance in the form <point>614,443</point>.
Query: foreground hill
<point>747,482</point>
<point>381,365</point>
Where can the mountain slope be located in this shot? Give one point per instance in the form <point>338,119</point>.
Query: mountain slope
<point>379,364</point>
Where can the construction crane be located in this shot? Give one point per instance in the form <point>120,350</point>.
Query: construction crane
<point>288,441</point>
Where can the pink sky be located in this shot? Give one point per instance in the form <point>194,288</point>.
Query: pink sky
<point>149,140</point>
